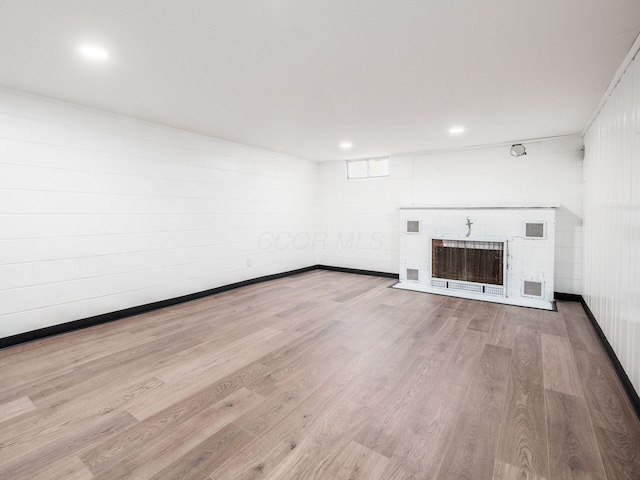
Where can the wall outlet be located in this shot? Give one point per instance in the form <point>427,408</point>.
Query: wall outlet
<point>248,262</point>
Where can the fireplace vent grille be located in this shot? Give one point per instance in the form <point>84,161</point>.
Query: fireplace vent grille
<point>413,274</point>
<point>532,289</point>
<point>467,287</point>
<point>413,226</point>
<point>534,230</point>
<point>493,290</point>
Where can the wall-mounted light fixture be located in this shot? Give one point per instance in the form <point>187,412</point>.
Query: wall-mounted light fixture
<point>517,150</point>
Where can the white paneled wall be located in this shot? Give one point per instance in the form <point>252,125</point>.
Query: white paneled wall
<point>100,213</point>
<point>359,218</point>
<point>612,226</point>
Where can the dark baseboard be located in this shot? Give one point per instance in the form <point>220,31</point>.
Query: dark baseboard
<point>358,272</point>
<point>622,375</point>
<point>567,297</point>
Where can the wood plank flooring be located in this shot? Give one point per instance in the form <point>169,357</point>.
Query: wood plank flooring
<point>321,375</point>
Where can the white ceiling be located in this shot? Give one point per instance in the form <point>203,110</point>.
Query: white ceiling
<point>302,76</point>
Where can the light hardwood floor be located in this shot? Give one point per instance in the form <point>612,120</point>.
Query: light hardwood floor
<point>321,375</point>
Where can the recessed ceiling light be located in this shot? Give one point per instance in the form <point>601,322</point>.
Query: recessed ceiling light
<point>456,130</point>
<point>346,145</point>
<point>94,52</point>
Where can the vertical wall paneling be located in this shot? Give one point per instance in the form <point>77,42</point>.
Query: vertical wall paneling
<point>612,220</point>
<point>99,213</point>
<point>359,218</point>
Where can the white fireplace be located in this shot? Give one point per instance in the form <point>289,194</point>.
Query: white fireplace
<point>502,254</point>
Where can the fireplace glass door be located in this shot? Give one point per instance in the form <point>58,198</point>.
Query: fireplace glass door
<point>468,261</point>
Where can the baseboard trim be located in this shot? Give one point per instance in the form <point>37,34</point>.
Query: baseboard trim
<point>622,374</point>
<point>567,297</point>
<point>358,272</point>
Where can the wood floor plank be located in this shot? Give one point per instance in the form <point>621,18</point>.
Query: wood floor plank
<point>16,407</point>
<point>467,308</point>
<point>326,439</point>
<point>281,402</point>
<point>504,471</point>
<point>260,458</point>
<point>483,320</point>
<point>608,406</point>
<point>422,439</point>
<point>523,436</point>
<point>38,455</point>
<point>70,468</point>
<point>214,357</point>
<point>289,372</point>
<point>552,323</point>
<point>579,330</point>
<point>417,394</point>
<point>448,335</point>
<point>145,407</point>
<point>462,363</point>
<point>620,453</point>
<point>185,380</point>
<point>529,318</point>
<point>137,360</point>
<point>357,462</point>
<point>317,339</point>
<point>472,448</point>
<point>573,451</point>
<point>149,459</point>
<point>559,367</point>
<point>67,357</point>
<point>197,462</point>
<point>376,384</point>
<point>503,330</point>
<point>154,427</point>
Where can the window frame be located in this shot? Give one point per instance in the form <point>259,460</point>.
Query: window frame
<point>369,162</point>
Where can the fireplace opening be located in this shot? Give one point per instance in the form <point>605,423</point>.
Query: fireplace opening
<point>468,261</point>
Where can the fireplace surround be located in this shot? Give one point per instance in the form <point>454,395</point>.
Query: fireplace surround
<point>502,254</point>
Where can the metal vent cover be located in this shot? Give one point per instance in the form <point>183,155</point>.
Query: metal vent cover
<point>413,274</point>
<point>413,226</point>
<point>467,287</point>
<point>493,290</point>
<point>532,289</point>
<point>534,230</point>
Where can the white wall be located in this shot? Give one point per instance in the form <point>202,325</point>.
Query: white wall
<point>612,225</point>
<point>365,211</point>
<point>100,213</point>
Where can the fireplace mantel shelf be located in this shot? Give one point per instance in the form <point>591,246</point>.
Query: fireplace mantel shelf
<point>480,207</point>
<point>475,238</point>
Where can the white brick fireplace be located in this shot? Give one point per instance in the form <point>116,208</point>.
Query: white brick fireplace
<point>502,254</point>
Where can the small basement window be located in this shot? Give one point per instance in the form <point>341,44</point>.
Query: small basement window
<point>368,168</point>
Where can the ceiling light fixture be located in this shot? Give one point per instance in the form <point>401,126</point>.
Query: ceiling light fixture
<point>456,130</point>
<point>94,52</point>
<point>346,145</point>
<point>517,150</point>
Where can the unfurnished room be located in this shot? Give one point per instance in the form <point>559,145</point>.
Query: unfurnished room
<point>320,239</point>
